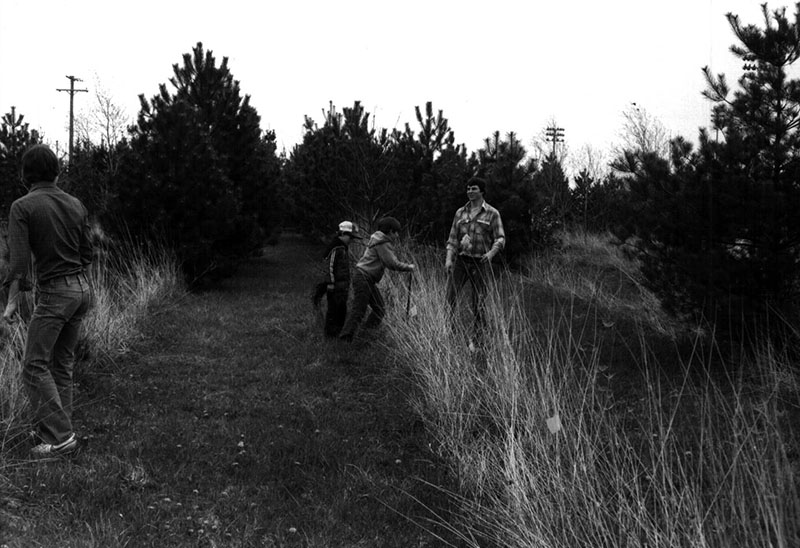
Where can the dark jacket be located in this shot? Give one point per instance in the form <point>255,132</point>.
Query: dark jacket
<point>337,265</point>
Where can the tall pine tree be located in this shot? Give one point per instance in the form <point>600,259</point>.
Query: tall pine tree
<point>720,227</point>
<point>200,170</point>
<point>432,171</point>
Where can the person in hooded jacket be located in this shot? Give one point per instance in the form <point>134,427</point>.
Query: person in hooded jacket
<point>378,256</point>
<point>336,284</point>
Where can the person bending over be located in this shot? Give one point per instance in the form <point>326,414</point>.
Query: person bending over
<point>378,256</point>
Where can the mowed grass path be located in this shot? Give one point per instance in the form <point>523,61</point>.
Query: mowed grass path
<point>233,423</point>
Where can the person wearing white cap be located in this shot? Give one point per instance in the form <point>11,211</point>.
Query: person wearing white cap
<point>336,282</point>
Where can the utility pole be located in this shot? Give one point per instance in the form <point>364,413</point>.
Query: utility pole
<point>715,125</point>
<point>556,135</point>
<point>72,91</point>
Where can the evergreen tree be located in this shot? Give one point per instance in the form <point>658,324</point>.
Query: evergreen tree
<point>599,205</point>
<point>720,226</point>
<point>551,202</point>
<point>15,138</point>
<point>200,171</point>
<point>582,195</point>
<point>510,189</point>
<point>340,170</point>
<point>432,170</point>
<point>92,174</point>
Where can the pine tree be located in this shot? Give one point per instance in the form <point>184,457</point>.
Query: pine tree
<point>432,170</point>
<point>760,156</point>
<point>510,174</point>
<point>720,226</point>
<point>15,137</point>
<point>340,170</point>
<point>551,203</point>
<point>200,169</point>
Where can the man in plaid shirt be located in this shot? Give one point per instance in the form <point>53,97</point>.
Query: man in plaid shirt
<point>476,236</point>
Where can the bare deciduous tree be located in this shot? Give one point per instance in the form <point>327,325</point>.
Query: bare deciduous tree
<point>642,133</point>
<point>591,160</point>
<point>642,136</point>
<point>104,123</point>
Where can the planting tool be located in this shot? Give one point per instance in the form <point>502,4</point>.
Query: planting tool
<point>409,310</point>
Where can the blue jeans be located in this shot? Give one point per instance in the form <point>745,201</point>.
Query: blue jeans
<point>61,304</point>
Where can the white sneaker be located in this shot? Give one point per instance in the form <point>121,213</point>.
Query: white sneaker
<point>47,449</point>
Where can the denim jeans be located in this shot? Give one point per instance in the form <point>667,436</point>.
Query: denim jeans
<point>53,332</point>
<point>477,274</point>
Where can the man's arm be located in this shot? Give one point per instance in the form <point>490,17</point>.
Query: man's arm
<point>13,302</point>
<point>499,238</point>
<point>18,248</point>
<point>389,259</point>
<point>452,243</point>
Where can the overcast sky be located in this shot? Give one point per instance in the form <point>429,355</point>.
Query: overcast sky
<point>498,65</point>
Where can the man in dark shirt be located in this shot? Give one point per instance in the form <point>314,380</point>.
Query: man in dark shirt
<point>52,227</point>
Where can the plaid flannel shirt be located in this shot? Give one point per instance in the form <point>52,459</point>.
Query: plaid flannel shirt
<point>475,236</point>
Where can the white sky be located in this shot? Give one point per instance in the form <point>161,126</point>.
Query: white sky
<point>496,65</point>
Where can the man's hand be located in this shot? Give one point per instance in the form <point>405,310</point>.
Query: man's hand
<point>10,313</point>
<point>487,257</point>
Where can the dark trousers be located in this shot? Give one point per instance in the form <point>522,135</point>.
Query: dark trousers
<point>336,313</point>
<point>49,359</point>
<point>477,274</point>
<point>365,293</point>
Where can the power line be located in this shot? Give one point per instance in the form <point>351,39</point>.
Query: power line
<point>72,91</point>
<point>556,135</point>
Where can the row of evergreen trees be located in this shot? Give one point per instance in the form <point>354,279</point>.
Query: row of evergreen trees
<point>716,225</point>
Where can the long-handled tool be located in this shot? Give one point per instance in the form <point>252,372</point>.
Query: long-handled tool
<point>408,297</point>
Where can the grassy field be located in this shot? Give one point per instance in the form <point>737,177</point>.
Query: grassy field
<point>583,417</point>
<point>229,421</point>
<point>588,418</point>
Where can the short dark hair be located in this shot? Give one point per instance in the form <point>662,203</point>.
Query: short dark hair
<point>39,163</point>
<point>388,224</point>
<point>478,182</point>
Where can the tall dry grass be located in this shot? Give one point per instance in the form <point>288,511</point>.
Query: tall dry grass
<point>127,282</point>
<point>546,456</point>
<point>597,268</point>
